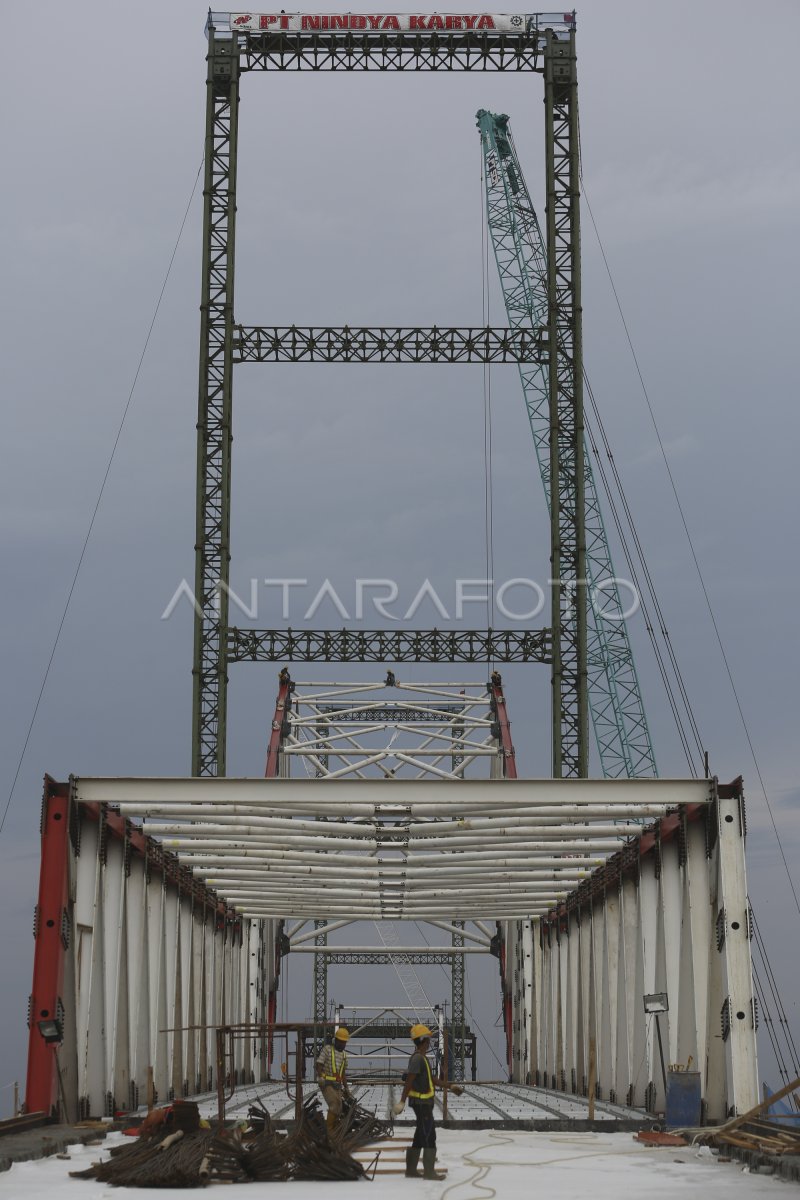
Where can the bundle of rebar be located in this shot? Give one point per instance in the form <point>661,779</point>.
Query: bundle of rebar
<point>315,1154</point>
<point>183,1157</point>
<point>178,1160</point>
<point>360,1127</point>
<point>262,1159</point>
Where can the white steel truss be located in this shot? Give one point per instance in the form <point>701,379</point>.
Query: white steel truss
<point>595,908</point>
<point>418,730</point>
<point>406,849</point>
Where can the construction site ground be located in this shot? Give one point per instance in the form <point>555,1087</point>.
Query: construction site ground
<point>511,1165</point>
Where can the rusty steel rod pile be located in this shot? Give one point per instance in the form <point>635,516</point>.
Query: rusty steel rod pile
<point>177,1153</point>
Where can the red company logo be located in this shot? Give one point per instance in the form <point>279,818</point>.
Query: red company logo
<point>244,19</point>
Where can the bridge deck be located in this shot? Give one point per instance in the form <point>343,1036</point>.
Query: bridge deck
<point>482,1104</point>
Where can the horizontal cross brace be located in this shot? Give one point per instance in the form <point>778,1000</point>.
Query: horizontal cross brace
<point>398,713</point>
<point>389,645</point>
<point>390,51</point>
<point>447,952</point>
<point>377,958</point>
<point>385,344</point>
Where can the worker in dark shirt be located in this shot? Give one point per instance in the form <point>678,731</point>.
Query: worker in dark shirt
<point>419,1090</point>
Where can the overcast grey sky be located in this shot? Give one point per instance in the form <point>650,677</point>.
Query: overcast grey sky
<point>359,202</point>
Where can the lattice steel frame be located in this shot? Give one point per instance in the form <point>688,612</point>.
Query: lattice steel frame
<point>389,645</point>
<point>537,49</point>
<point>567,481</point>
<point>386,344</point>
<point>213,519</point>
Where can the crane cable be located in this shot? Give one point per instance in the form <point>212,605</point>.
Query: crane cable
<point>98,501</point>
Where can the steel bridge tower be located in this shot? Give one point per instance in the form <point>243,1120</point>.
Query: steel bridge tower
<point>533,43</point>
<point>238,45</point>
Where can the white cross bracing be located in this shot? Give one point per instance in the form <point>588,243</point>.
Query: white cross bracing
<point>366,849</point>
<point>364,730</point>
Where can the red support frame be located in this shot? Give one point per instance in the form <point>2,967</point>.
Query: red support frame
<point>276,731</point>
<point>509,772</point>
<point>282,705</point>
<point>51,933</point>
<point>501,716</point>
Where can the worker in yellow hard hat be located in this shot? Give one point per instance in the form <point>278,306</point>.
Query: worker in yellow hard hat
<point>419,1089</point>
<point>331,1065</point>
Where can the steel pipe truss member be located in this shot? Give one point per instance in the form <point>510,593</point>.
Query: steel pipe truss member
<point>442,730</point>
<point>405,847</point>
<point>390,728</point>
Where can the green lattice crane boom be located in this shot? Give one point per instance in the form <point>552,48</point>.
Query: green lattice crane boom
<point>615,700</point>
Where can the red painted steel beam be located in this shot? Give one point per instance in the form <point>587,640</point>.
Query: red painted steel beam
<point>501,716</point>
<point>51,932</point>
<point>500,711</point>
<point>162,862</point>
<point>282,705</point>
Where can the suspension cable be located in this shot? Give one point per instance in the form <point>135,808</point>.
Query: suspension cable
<point>772,984</point>
<point>693,551</point>
<point>100,494</point>
<point>650,585</point>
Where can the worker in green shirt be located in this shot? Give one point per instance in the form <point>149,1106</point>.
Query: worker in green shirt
<point>331,1067</point>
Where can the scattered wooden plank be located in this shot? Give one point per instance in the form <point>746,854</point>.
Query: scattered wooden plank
<point>758,1108</point>
<point>23,1122</point>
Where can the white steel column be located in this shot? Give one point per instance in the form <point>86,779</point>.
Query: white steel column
<point>733,924</point>
<point>668,914</point>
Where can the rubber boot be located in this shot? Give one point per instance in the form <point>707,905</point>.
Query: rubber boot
<point>412,1158</point>
<point>428,1165</point>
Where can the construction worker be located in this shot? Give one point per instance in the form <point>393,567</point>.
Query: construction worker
<point>419,1089</point>
<point>331,1068</point>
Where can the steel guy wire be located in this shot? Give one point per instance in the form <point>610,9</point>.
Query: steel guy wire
<point>693,551</point>
<point>99,499</point>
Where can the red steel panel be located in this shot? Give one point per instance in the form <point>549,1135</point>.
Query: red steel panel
<point>501,716</point>
<point>51,933</point>
<point>276,731</point>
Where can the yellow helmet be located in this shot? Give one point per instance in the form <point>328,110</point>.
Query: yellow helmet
<point>341,1034</point>
<point>420,1031</point>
